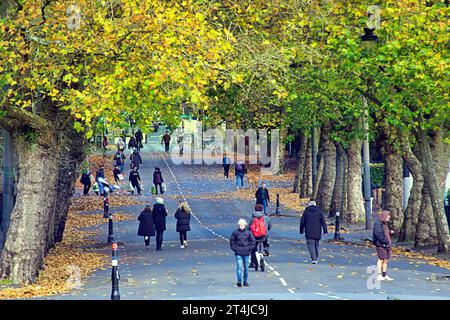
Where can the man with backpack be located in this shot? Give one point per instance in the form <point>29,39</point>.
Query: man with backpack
<point>259,226</point>
<point>311,223</point>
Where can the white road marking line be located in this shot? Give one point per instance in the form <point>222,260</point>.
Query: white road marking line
<point>335,297</point>
<point>276,273</point>
<point>291,291</point>
<point>283,282</point>
<point>321,294</point>
<point>271,268</point>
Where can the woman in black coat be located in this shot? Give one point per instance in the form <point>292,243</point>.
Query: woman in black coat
<point>146,226</point>
<point>159,219</point>
<point>183,216</point>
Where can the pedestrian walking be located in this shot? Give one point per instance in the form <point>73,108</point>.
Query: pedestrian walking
<point>121,145</point>
<point>383,243</point>
<point>166,140</point>
<point>259,225</point>
<point>116,173</point>
<point>146,225</point>
<point>135,180</point>
<point>226,163</point>
<point>183,217</point>
<point>132,143</point>
<point>159,218</point>
<point>240,171</point>
<point>86,181</point>
<point>119,160</point>
<point>158,180</point>
<point>100,174</point>
<point>262,196</point>
<point>242,242</point>
<point>136,159</point>
<point>180,140</point>
<point>104,145</point>
<point>312,223</point>
<point>139,137</point>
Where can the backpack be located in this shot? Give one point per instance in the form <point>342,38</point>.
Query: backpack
<point>258,227</point>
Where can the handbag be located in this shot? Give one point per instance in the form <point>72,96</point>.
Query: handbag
<point>120,176</point>
<point>163,187</point>
<point>130,188</point>
<point>153,189</point>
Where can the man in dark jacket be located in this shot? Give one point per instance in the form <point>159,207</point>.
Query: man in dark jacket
<point>166,140</point>
<point>262,196</point>
<point>226,163</point>
<point>135,179</point>
<point>136,159</point>
<point>139,137</point>
<point>158,180</point>
<point>240,171</point>
<point>146,226</point>
<point>312,223</point>
<point>159,218</point>
<point>242,242</point>
<point>86,181</point>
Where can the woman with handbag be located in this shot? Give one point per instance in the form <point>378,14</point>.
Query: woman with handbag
<point>158,180</point>
<point>146,225</point>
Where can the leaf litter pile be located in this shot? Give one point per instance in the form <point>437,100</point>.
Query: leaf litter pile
<point>68,261</point>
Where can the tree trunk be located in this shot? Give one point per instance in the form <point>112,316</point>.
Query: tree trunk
<point>355,202</point>
<point>393,171</point>
<point>278,168</point>
<point>69,166</point>
<point>300,164</point>
<point>426,228</point>
<point>306,185</point>
<point>411,216</point>
<point>27,238</point>
<point>339,180</point>
<point>431,180</point>
<point>319,174</point>
<point>326,185</point>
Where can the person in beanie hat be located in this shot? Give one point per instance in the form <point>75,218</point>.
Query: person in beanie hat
<point>242,242</point>
<point>311,223</point>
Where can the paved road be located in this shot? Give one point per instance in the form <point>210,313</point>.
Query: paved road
<point>206,269</point>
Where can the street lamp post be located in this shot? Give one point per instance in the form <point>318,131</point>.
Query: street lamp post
<point>369,38</point>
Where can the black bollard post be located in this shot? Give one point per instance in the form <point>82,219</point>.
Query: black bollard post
<point>105,205</point>
<point>110,229</point>
<point>277,210</point>
<point>337,235</point>
<point>115,277</point>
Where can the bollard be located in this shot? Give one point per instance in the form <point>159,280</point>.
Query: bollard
<point>337,235</point>
<point>277,210</point>
<point>110,229</point>
<point>105,205</point>
<point>115,277</point>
